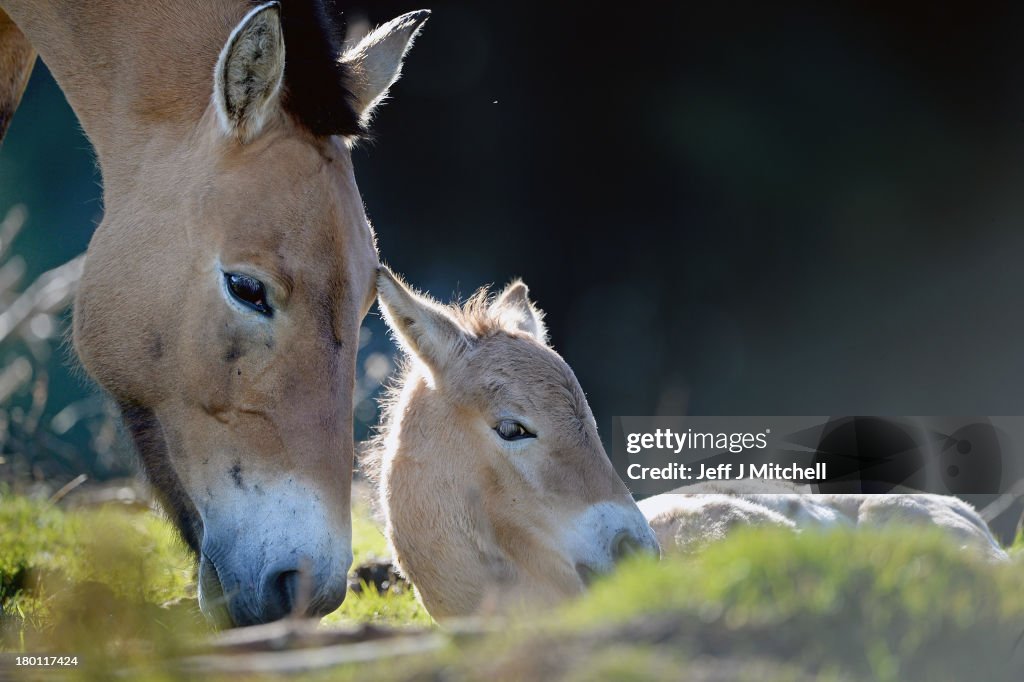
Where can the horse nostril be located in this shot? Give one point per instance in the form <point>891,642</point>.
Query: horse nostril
<point>281,594</point>
<point>294,592</point>
<point>624,545</point>
<point>286,585</point>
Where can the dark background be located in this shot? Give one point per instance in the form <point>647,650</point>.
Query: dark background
<point>724,208</point>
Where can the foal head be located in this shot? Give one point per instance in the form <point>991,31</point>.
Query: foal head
<point>221,304</point>
<point>494,483</point>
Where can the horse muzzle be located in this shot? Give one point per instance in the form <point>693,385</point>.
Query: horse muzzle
<point>279,589</point>
<point>606,534</point>
<point>272,555</point>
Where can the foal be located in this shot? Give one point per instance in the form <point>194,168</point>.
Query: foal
<point>494,484</point>
<point>496,490</point>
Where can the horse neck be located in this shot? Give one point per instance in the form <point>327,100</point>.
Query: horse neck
<point>132,72</point>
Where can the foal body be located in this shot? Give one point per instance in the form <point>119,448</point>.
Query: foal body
<point>686,520</point>
<point>476,522</point>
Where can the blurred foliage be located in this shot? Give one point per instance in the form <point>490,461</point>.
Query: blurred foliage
<point>46,436</point>
<point>893,605</point>
<point>34,538</point>
<point>69,574</point>
<point>49,559</point>
<point>884,605</point>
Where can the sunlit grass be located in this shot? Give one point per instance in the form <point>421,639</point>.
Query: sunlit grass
<point>116,586</point>
<point>52,562</point>
<point>393,607</point>
<point>891,604</point>
<point>50,559</point>
<point>390,608</point>
<point>896,605</point>
<point>34,539</point>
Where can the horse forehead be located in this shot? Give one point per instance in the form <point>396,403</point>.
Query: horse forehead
<point>283,149</point>
<point>295,222</point>
<point>292,246</point>
<point>287,179</point>
<point>521,371</point>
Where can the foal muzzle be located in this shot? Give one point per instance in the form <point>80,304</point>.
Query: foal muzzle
<point>606,534</point>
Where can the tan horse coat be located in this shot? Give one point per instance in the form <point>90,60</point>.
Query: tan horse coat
<point>496,489</point>
<point>222,294</point>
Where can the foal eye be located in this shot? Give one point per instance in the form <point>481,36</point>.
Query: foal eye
<point>509,429</point>
<point>248,291</point>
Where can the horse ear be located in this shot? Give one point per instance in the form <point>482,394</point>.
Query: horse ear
<point>247,79</point>
<point>514,308</point>
<point>375,63</point>
<point>421,325</point>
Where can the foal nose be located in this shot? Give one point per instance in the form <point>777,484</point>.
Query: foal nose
<point>293,590</point>
<point>627,543</point>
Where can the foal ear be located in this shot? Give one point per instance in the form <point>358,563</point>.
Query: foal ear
<point>247,79</point>
<point>423,328</point>
<point>375,63</point>
<point>514,308</point>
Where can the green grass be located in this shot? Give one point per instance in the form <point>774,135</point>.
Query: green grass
<point>44,552</point>
<point>892,605</point>
<point>762,605</point>
<point>33,538</point>
<point>769,605</point>
<point>56,564</point>
<point>393,608</point>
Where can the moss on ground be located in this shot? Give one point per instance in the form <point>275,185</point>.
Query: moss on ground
<point>116,587</point>
<point>395,607</point>
<point>55,564</point>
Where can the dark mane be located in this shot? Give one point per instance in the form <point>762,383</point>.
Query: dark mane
<point>316,91</point>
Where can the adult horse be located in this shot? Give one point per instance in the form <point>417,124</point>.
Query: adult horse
<point>223,291</point>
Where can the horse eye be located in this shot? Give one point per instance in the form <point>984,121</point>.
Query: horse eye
<point>249,291</point>
<point>509,429</point>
